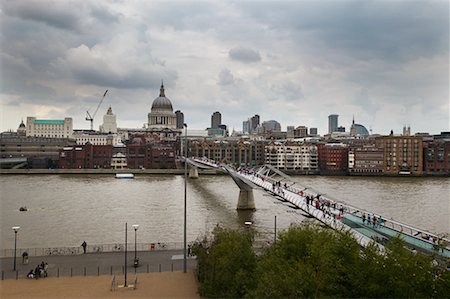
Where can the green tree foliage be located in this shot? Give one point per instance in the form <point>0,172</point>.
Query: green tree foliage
<point>226,264</point>
<point>312,261</point>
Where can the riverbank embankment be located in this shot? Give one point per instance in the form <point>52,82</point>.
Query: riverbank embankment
<point>107,171</point>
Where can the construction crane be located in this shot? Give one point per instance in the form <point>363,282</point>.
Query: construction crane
<point>91,118</point>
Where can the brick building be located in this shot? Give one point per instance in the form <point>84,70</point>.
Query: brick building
<point>436,157</point>
<point>237,151</point>
<point>403,155</point>
<point>366,160</point>
<point>143,152</point>
<point>333,158</point>
<point>72,157</point>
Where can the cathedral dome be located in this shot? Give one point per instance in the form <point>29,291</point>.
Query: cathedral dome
<point>162,103</point>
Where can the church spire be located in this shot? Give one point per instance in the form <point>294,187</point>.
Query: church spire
<point>161,90</point>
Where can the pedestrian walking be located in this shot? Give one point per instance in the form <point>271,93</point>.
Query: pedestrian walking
<point>84,245</point>
<point>25,258</point>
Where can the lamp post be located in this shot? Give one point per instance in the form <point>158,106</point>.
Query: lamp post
<point>275,230</point>
<point>126,243</point>
<point>136,262</point>
<point>185,190</point>
<point>15,229</point>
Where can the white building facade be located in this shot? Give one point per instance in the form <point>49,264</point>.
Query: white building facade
<point>83,137</point>
<point>51,128</point>
<point>292,157</point>
<point>109,122</point>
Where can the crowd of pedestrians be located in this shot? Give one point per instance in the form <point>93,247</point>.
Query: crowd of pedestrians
<point>39,271</point>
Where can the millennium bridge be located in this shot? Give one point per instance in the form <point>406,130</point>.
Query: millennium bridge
<point>365,226</point>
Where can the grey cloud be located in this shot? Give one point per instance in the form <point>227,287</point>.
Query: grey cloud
<point>393,30</point>
<point>104,15</point>
<point>62,15</point>
<point>287,90</point>
<point>244,54</point>
<point>226,77</point>
<point>132,79</point>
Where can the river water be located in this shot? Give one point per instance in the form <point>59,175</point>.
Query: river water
<point>64,210</point>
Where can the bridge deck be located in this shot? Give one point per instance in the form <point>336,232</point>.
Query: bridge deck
<point>378,232</point>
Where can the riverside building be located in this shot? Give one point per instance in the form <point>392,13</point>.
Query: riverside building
<point>403,155</point>
<point>51,128</point>
<point>292,157</point>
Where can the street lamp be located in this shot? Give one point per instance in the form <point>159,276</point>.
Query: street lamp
<point>136,261</point>
<point>185,189</point>
<point>126,245</point>
<point>15,229</point>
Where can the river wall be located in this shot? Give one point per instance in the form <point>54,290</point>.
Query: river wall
<point>106,171</point>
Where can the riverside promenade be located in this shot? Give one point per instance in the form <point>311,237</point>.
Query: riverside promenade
<point>96,264</point>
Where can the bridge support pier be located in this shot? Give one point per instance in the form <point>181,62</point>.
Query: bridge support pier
<point>193,173</point>
<point>246,200</point>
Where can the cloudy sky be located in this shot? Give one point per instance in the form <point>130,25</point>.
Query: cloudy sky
<point>385,62</point>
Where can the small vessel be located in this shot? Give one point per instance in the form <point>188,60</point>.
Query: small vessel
<point>124,176</point>
<point>23,209</point>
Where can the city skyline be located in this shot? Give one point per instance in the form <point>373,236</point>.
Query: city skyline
<point>296,62</point>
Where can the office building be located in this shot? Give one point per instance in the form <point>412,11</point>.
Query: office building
<point>300,131</point>
<point>254,123</point>
<point>246,128</point>
<point>51,128</point>
<point>180,119</point>
<point>216,120</point>
<point>271,125</point>
<point>332,123</point>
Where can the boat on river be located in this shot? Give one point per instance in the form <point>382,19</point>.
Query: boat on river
<point>124,176</point>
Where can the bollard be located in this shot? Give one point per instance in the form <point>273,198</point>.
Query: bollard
<point>98,271</point>
<point>3,275</point>
<point>84,271</point>
<point>17,274</point>
<point>159,267</point>
<point>147,268</point>
<point>57,272</point>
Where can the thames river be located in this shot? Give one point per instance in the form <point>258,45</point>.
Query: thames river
<point>64,210</point>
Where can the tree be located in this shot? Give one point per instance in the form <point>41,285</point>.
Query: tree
<point>225,264</point>
<point>312,261</point>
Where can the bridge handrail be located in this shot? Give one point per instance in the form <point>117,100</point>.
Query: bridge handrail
<point>355,208</point>
<point>318,214</point>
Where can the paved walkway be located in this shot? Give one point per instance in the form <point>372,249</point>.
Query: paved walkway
<point>105,263</point>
